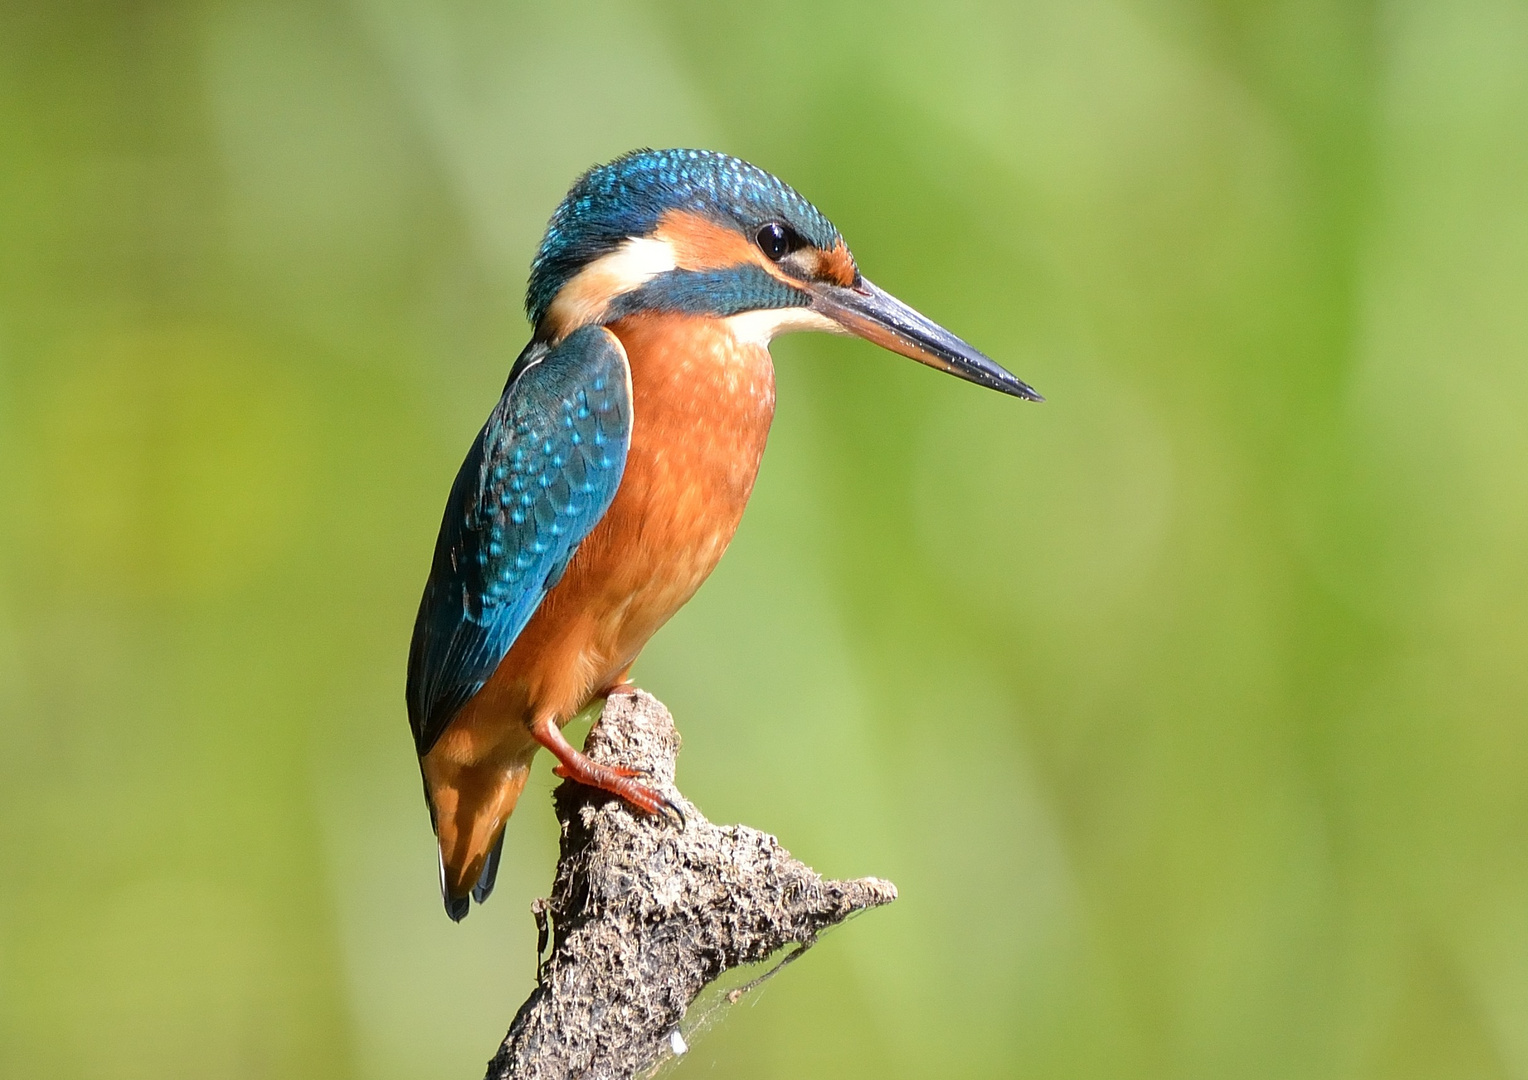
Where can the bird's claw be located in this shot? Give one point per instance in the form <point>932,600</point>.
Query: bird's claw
<point>655,803</point>
<point>621,781</point>
<point>672,813</point>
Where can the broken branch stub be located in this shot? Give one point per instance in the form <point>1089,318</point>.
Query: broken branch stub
<point>645,914</point>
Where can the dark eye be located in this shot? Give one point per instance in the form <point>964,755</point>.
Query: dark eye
<point>774,241</point>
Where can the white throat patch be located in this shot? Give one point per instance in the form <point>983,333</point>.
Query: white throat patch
<point>761,327</point>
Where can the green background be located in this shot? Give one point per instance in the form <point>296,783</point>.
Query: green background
<point>1187,710</point>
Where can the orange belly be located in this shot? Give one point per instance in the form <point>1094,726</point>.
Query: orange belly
<point>701,410</point>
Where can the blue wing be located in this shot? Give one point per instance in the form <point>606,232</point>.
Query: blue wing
<point>543,471</point>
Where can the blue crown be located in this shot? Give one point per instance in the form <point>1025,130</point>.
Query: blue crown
<point>626,198</point>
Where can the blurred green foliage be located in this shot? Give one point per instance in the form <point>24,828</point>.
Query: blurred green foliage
<point>1187,710</point>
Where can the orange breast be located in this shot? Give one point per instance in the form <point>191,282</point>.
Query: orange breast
<point>702,406</point>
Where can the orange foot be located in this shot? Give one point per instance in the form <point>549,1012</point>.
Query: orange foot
<point>615,779</point>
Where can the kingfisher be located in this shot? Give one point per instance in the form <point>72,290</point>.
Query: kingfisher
<point>611,475</point>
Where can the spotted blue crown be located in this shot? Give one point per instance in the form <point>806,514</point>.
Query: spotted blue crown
<point>626,198</point>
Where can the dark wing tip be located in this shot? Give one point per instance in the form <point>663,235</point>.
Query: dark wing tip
<point>484,887</point>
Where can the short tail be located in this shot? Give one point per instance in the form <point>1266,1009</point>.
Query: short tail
<point>470,816</point>
<point>458,906</point>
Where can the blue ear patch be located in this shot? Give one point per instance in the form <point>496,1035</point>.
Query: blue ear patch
<point>542,473</point>
<point>729,290</point>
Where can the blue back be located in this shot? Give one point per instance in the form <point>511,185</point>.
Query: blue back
<point>542,472</point>
<point>627,197</point>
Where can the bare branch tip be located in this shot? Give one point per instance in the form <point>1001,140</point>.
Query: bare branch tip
<point>643,915</point>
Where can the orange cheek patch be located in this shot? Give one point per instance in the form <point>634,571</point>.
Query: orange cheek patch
<point>582,300</point>
<point>701,244</point>
<point>837,265</point>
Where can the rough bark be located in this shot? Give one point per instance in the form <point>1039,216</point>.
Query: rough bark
<point>644,914</point>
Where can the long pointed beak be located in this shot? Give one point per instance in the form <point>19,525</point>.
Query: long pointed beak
<point>875,315</point>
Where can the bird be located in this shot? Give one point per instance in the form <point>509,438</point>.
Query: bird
<point>613,471</point>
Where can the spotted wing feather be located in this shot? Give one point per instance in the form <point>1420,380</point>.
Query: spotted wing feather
<point>543,471</point>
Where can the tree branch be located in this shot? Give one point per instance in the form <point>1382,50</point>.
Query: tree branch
<point>644,915</point>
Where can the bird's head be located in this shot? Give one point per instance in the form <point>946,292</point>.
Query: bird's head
<point>697,232</point>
